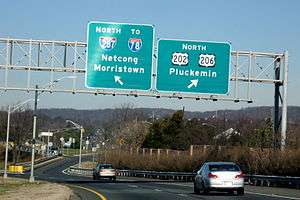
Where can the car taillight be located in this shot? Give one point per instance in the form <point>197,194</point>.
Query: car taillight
<point>241,175</point>
<point>210,175</point>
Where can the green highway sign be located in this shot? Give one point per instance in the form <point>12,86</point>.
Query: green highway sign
<point>119,56</point>
<point>193,66</point>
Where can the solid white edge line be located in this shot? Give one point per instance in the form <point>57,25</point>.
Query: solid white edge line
<point>272,195</point>
<point>247,192</point>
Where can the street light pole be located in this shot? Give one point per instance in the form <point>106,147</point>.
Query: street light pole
<point>80,142</point>
<point>80,146</point>
<point>31,179</point>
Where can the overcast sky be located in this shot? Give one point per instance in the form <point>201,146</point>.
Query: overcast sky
<point>256,25</point>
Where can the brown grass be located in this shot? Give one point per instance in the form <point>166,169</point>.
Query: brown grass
<point>252,161</point>
<point>21,189</point>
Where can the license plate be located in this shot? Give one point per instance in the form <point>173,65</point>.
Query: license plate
<point>228,183</point>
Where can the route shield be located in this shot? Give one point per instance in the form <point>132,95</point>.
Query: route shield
<point>119,56</point>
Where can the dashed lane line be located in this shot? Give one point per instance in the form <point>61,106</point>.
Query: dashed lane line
<point>133,186</point>
<point>182,195</point>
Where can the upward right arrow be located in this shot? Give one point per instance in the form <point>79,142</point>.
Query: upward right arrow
<point>193,83</point>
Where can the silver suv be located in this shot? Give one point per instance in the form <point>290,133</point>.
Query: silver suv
<point>219,176</point>
<point>104,171</point>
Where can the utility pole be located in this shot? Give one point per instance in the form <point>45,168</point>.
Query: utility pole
<point>31,179</point>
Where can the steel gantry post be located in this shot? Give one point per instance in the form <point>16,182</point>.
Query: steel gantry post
<point>276,118</point>
<point>284,103</point>
<point>6,145</point>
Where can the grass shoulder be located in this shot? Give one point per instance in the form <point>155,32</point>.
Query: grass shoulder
<point>15,188</point>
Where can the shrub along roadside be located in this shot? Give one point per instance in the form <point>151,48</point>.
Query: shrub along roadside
<point>252,161</point>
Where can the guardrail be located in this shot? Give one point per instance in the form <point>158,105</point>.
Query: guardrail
<point>37,163</point>
<point>275,181</point>
<point>179,176</point>
<point>257,180</point>
<point>80,171</point>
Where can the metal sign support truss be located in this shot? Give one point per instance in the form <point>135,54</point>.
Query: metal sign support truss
<point>21,61</point>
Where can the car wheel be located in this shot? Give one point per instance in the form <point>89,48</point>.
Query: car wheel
<point>196,189</point>
<point>241,191</point>
<point>205,190</point>
<point>112,179</point>
<point>231,192</point>
<point>94,178</point>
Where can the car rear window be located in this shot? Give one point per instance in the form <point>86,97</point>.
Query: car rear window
<point>105,167</point>
<point>224,167</point>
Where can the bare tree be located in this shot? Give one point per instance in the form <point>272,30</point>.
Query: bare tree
<point>20,131</point>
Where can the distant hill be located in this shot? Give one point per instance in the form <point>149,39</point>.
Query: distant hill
<point>102,115</point>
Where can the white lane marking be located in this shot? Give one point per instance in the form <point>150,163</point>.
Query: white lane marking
<point>262,194</point>
<point>64,171</point>
<point>176,184</point>
<point>157,190</point>
<point>133,186</point>
<point>272,195</point>
<point>182,195</point>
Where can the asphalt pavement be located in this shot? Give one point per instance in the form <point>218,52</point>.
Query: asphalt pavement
<point>143,189</point>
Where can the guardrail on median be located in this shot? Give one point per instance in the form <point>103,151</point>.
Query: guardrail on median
<point>257,180</point>
<point>40,162</point>
<point>37,163</point>
<point>80,171</point>
<point>180,176</point>
<point>283,181</point>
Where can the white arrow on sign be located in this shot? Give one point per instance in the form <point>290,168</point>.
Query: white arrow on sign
<point>118,80</point>
<point>193,83</point>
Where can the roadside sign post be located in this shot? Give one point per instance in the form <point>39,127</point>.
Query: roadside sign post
<point>193,67</point>
<point>87,142</point>
<point>119,56</point>
<point>94,150</point>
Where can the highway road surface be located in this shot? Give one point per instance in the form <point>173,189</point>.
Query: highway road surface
<point>143,189</point>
